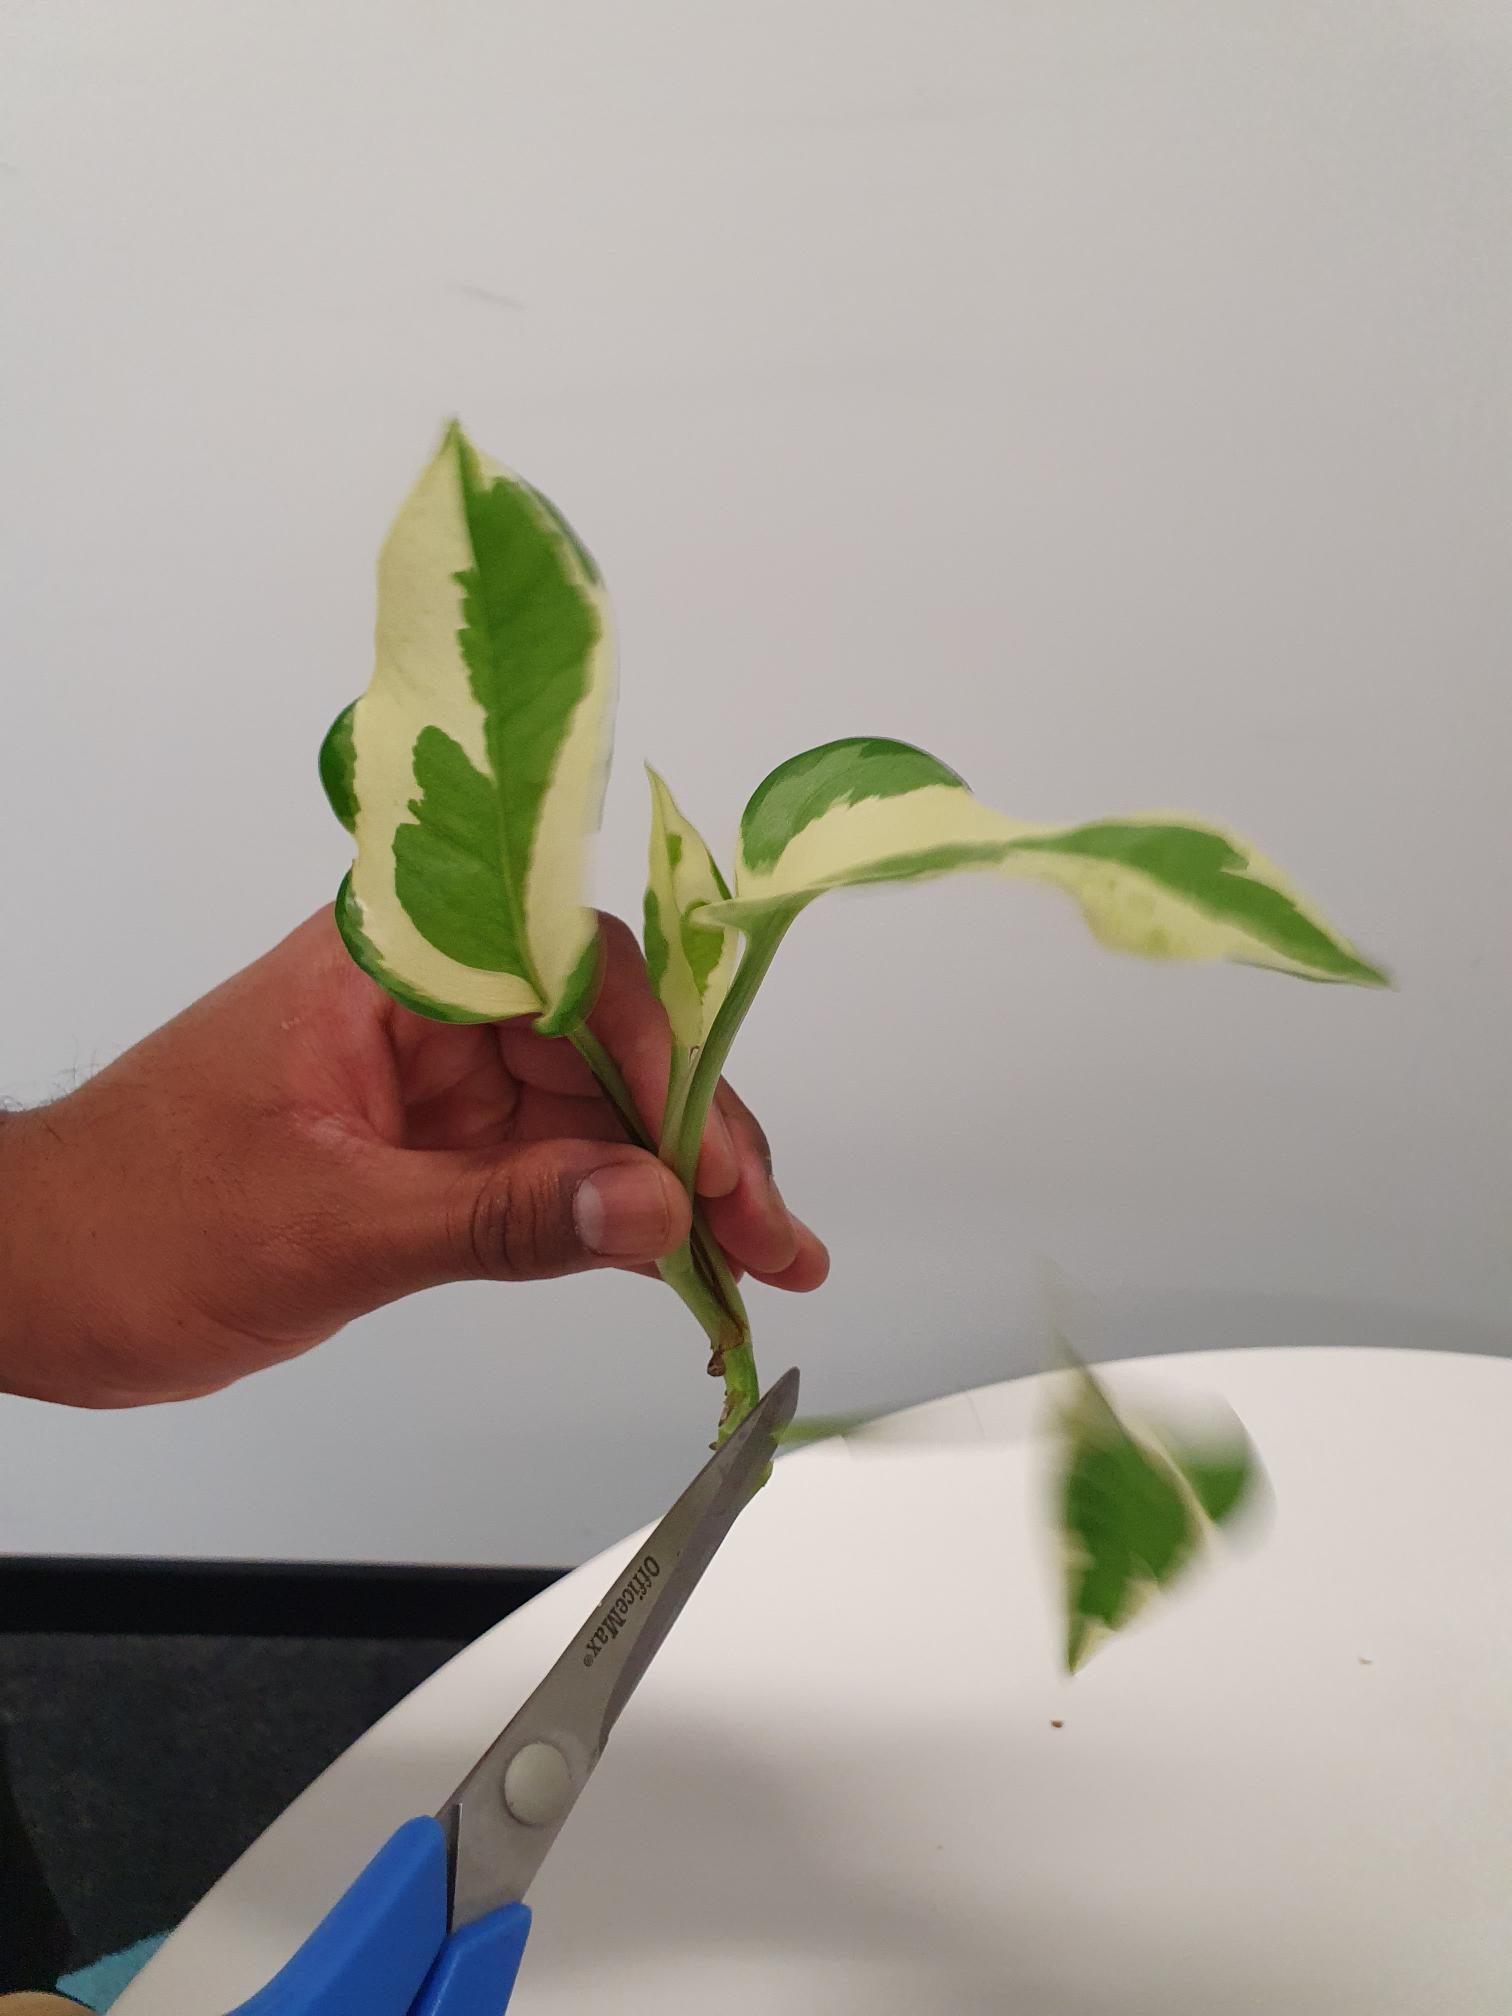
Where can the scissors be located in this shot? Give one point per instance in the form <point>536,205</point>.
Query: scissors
<point>436,1924</point>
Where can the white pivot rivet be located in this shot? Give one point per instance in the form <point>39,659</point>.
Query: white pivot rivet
<point>537,1785</point>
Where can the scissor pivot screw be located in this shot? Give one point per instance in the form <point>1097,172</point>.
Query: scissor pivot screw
<point>537,1785</point>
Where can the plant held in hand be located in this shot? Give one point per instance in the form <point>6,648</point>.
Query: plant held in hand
<point>471,772</point>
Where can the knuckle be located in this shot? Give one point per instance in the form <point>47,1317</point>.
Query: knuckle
<point>514,1227</point>
<point>480,1232</point>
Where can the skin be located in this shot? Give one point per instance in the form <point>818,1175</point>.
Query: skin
<point>296,1149</point>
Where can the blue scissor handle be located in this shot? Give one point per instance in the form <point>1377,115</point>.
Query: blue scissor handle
<point>384,1949</point>
<point>474,1974</point>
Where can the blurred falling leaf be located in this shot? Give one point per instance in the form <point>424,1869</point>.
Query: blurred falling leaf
<point>1136,1509</point>
<point>1127,1524</point>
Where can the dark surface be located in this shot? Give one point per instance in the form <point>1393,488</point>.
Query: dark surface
<point>34,1940</point>
<point>156,1716</point>
<point>141,1767</point>
<point>259,1599</point>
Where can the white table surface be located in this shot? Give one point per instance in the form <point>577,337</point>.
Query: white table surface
<point>841,1788</point>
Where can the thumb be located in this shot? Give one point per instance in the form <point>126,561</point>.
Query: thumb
<point>517,1214</point>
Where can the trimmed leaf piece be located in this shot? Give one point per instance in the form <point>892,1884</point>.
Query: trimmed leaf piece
<point>1128,1526</point>
<point>1136,1512</point>
<point>471,772</point>
<point>1162,886</point>
<point>690,965</point>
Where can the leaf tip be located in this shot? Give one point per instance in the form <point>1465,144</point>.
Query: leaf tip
<point>1080,1645</point>
<point>456,446</point>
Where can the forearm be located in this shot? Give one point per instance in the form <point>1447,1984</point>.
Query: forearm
<point>62,1335</point>
<point>23,1352</point>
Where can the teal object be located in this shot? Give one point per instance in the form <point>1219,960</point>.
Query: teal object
<point>98,1986</point>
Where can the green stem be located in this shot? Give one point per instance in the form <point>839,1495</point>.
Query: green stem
<point>682,1138</point>
<point>761,950</point>
<point>608,1074</point>
<point>678,1080</point>
<point>698,1271</point>
<point>736,1359</point>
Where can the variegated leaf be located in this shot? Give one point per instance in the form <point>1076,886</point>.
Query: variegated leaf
<point>1160,885</point>
<point>1136,1510</point>
<point>471,771</point>
<point>690,965</point>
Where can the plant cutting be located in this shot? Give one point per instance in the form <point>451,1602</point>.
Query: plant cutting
<point>471,776</point>
<point>1137,1504</point>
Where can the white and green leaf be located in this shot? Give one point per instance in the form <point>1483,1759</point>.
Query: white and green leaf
<point>1161,885</point>
<point>471,771</point>
<point>690,964</point>
<point>1137,1510</point>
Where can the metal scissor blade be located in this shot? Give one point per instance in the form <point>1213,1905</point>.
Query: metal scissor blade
<point>504,1816</point>
<point>696,1526</point>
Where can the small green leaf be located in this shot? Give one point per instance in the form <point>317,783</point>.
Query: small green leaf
<point>1127,1524</point>
<point>690,964</point>
<point>471,771</point>
<point>1162,886</point>
<point>1136,1510</point>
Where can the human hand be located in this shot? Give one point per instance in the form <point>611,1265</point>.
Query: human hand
<point>297,1149</point>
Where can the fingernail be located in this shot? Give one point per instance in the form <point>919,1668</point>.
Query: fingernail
<point>622,1212</point>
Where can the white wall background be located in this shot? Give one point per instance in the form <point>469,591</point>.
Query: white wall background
<point>1111,395</point>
